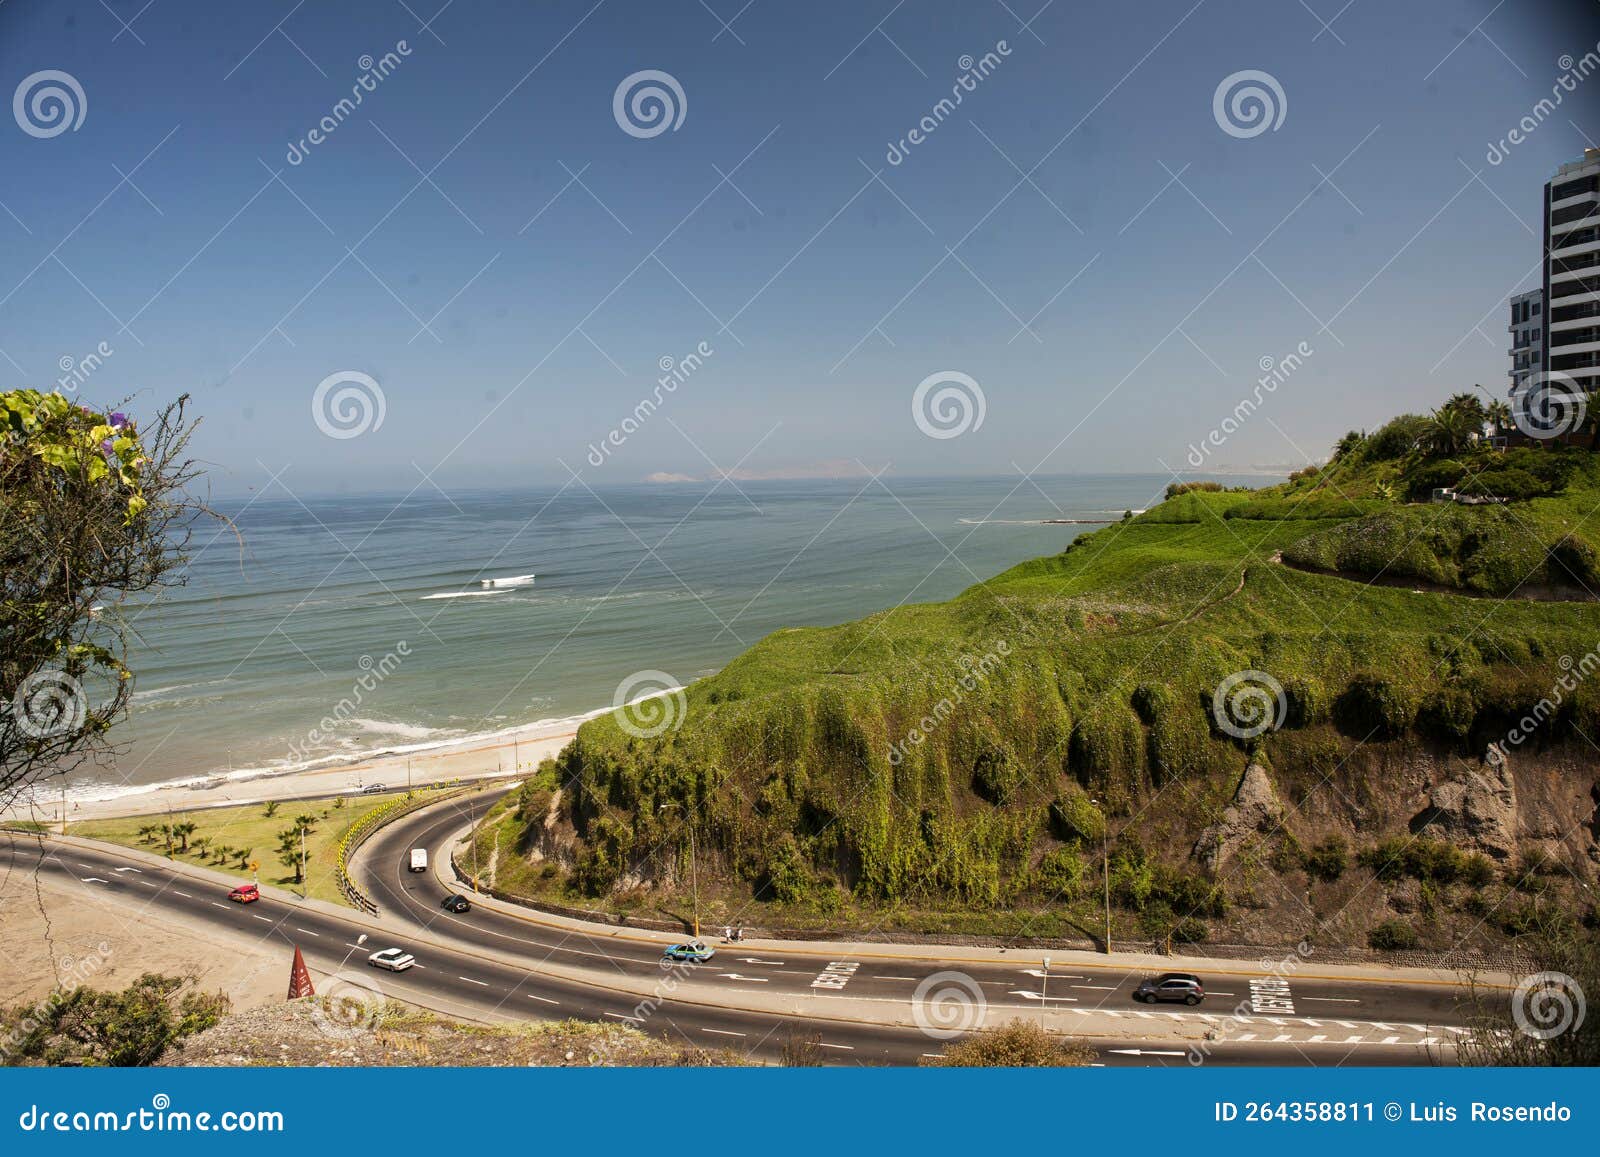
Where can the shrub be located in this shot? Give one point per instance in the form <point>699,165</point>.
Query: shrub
<point>1376,707</point>
<point>1073,817</point>
<point>1061,873</point>
<point>1328,860</point>
<point>1178,488</point>
<point>1190,931</point>
<point>1448,714</point>
<point>1505,483</point>
<point>1432,861</point>
<point>1392,936</point>
<point>1017,1044</point>
<point>1395,439</point>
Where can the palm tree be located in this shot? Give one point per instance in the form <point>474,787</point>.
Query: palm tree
<point>1450,428</point>
<point>1498,415</point>
<point>183,831</point>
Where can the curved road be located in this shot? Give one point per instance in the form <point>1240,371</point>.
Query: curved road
<point>492,965</point>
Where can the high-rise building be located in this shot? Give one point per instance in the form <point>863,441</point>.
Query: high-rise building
<point>1572,273</point>
<point>1527,337</point>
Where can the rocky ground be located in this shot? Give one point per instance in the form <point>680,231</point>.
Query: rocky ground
<point>321,1031</point>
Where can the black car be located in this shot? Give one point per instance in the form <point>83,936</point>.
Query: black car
<point>456,904</point>
<point>1171,986</point>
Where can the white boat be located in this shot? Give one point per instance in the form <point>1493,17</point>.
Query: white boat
<point>515,580</point>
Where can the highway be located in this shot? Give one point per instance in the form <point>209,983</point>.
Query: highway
<point>489,965</point>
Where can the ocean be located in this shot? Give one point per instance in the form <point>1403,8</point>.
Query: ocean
<point>377,603</point>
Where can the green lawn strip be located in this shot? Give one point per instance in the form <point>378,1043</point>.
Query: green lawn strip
<point>252,834</point>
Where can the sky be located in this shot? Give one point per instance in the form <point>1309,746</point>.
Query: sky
<point>477,275</point>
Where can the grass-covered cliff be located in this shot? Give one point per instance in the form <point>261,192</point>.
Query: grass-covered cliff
<point>960,766</point>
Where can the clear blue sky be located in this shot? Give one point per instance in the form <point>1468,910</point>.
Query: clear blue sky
<point>821,290</point>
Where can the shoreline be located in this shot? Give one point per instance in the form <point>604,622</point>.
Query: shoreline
<point>469,759</point>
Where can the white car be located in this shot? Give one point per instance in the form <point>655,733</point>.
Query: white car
<point>392,959</point>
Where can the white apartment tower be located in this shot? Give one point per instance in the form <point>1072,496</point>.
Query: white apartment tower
<point>1571,287</point>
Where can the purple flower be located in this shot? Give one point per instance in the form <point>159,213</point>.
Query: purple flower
<point>108,449</point>
<point>118,420</point>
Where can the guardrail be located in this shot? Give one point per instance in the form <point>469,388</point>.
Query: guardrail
<point>362,829</point>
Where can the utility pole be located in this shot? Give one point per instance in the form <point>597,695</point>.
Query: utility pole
<point>305,884</point>
<point>1105,852</point>
<point>1044,991</point>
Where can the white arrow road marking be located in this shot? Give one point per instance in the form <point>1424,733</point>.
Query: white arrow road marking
<point>1147,1052</point>
<point>546,999</point>
<point>757,960</point>
<point>1026,995</point>
<point>750,979</point>
<point>722,1032</point>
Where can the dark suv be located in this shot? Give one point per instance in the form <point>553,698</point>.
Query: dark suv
<point>1172,986</point>
<point>456,904</point>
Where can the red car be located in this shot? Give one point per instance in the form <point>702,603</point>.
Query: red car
<point>245,894</point>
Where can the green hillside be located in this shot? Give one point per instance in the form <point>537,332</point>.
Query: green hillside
<point>956,765</point>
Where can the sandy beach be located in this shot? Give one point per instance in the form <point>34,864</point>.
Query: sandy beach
<point>472,759</point>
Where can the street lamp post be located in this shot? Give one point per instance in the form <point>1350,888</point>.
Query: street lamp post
<point>694,880</point>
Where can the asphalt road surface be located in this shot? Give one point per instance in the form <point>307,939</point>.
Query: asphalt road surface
<point>453,977</point>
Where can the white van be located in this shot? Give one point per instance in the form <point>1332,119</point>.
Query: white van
<point>419,859</point>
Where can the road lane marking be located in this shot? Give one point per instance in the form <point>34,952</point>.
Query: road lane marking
<point>722,1032</point>
<point>214,904</point>
<point>95,880</point>
<point>127,870</point>
<point>470,980</point>
<point>895,978</point>
<point>826,1045</point>
<point>267,919</point>
<point>546,999</point>
<point>1098,987</point>
<point>308,932</point>
<point>748,979</point>
<point>185,895</point>
<point>631,1019</point>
